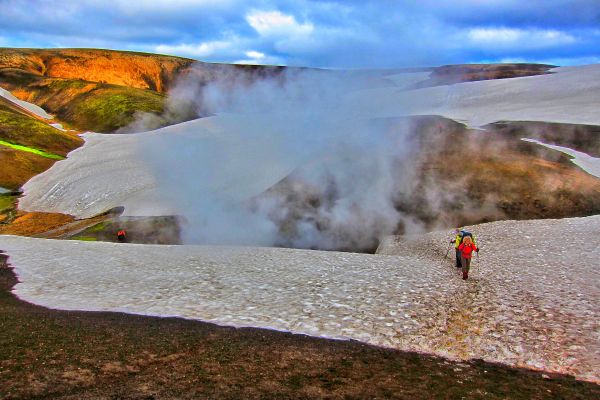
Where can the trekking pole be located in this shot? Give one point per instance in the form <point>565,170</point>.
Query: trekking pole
<point>447,252</point>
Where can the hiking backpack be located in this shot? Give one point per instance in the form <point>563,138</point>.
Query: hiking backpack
<point>464,234</point>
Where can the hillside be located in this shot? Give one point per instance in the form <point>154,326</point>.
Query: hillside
<point>98,90</point>
<point>136,70</point>
<point>28,145</point>
<point>103,90</point>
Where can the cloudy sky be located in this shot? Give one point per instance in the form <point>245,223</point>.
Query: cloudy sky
<point>336,33</point>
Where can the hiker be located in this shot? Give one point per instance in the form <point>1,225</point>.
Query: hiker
<point>458,239</point>
<point>121,235</point>
<point>467,247</point>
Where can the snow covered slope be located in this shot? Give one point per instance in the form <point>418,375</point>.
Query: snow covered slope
<point>531,300</point>
<point>233,157</point>
<point>589,164</point>
<point>569,95</point>
<point>32,108</point>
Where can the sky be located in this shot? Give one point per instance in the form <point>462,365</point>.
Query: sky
<point>329,34</point>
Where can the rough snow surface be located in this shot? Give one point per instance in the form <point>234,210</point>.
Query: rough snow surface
<point>102,174</point>
<point>589,164</point>
<point>531,300</point>
<point>39,111</point>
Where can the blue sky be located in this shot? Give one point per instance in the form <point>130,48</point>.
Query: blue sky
<point>335,34</point>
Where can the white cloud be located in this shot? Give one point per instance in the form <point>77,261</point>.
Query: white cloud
<point>275,23</point>
<point>257,55</point>
<point>205,49</point>
<point>258,58</point>
<point>518,38</point>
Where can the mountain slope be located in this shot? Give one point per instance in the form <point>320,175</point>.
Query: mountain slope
<point>98,90</point>
<point>26,144</point>
<point>136,70</point>
<point>104,90</point>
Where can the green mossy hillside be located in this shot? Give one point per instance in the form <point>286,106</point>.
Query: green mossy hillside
<point>87,106</point>
<point>27,131</point>
<point>110,107</point>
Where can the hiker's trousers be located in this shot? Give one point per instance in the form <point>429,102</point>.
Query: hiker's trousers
<point>466,263</point>
<point>458,257</point>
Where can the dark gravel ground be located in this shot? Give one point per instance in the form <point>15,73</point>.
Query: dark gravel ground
<point>50,354</point>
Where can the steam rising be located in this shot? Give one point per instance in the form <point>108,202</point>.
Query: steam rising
<point>291,161</point>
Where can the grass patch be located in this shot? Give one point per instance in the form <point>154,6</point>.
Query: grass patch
<point>111,107</point>
<point>98,227</point>
<point>32,150</point>
<point>7,202</point>
<point>94,106</point>
<point>23,130</point>
<point>84,238</point>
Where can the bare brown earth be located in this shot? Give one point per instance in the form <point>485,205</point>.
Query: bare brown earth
<point>34,223</point>
<point>493,175</point>
<point>449,74</point>
<point>465,177</point>
<point>18,167</point>
<point>50,354</point>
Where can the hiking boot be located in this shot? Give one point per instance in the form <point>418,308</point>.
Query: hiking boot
<point>465,275</point>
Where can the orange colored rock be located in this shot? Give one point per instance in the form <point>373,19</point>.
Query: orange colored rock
<point>138,70</point>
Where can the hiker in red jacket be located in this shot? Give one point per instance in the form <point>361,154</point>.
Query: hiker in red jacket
<point>122,236</point>
<point>466,248</point>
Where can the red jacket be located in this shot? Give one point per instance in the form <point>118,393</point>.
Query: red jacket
<point>467,250</point>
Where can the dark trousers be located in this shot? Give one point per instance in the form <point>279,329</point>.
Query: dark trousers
<point>458,263</point>
<point>466,264</point>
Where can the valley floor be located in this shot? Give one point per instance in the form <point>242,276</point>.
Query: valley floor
<point>88,355</point>
<point>530,301</point>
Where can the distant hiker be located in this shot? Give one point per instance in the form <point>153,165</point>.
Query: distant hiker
<point>121,235</point>
<point>461,234</point>
<point>467,247</point>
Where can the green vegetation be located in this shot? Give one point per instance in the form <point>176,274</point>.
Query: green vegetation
<point>33,135</point>
<point>98,227</point>
<point>31,150</point>
<point>110,107</point>
<point>84,238</point>
<point>93,106</point>
<point>7,202</point>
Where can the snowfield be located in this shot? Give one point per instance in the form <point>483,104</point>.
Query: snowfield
<point>32,108</point>
<point>589,164</point>
<point>531,300</point>
<point>115,170</point>
<point>568,95</point>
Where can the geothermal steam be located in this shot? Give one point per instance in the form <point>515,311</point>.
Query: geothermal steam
<point>285,160</point>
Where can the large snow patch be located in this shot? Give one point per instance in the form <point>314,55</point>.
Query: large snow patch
<point>32,108</point>
<point>531,300</point>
